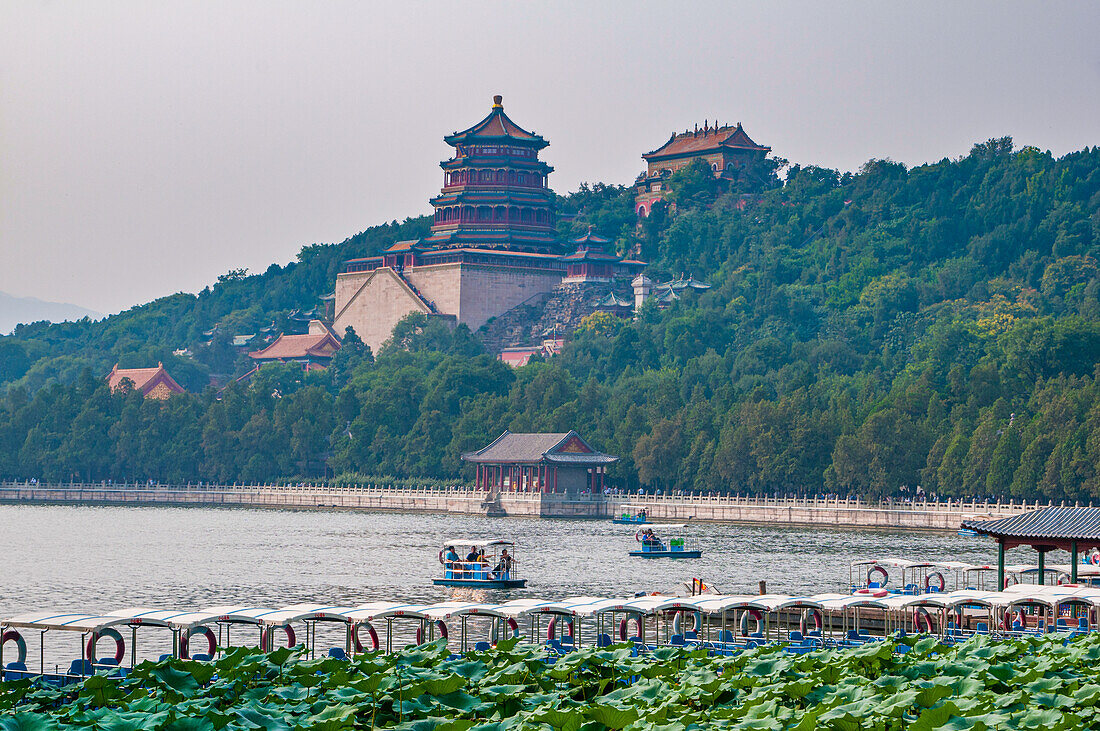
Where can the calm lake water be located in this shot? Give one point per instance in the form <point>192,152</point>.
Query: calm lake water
<point>102,558</point>
<point>99,559</point>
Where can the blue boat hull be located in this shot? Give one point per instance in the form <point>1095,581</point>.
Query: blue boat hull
<point>667,554</point>
<point>620,521</point>
<point>483,583</point>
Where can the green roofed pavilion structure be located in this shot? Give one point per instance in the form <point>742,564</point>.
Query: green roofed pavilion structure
<point>540,462</point>
<point>1072,529</point>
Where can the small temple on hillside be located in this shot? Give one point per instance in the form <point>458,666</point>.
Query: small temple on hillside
<point>492,245</point>
<point>539,462</point>
<point>590,261</point>
<point>727,149</point>
<point>154,383</point>
<point>313,351</point>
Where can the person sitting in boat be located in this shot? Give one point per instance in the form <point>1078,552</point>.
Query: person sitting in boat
<point>503,569</point>
<point>650,539</point>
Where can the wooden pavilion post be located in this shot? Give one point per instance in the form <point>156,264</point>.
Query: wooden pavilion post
<point>1073,562</point>
<point>1000,564</point>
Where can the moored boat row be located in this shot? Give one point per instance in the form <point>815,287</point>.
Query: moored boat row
<point>719,623</point>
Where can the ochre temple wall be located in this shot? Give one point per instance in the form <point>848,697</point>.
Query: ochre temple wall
<point>490,292</point>
<point>374,309</point>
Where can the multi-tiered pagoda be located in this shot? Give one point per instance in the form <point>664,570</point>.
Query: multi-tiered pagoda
<point>495,190</point>
<point>492,246</point>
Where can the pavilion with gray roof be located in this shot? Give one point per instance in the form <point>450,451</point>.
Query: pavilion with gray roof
<point>1070,529</point>
<point>540,462</point>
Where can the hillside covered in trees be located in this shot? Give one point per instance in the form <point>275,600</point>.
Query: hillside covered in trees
<point>938,325</point>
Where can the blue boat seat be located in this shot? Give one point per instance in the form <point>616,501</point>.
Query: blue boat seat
<point>165,656</point>
<point>106,661</point>
<point>603,640</point>
<point>982,628</point>
<point>726,636</point>
<point>795,636</point>
<point>338,653</point>
<point>873,585</point>
<point>203,657</point>
<point>690,636</point>
<point>482,646</point>
<point>1083,623</point>
<point>676,640</point>
<point>80,667</point>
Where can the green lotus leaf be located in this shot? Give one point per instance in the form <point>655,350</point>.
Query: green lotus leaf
<point>27,722</point>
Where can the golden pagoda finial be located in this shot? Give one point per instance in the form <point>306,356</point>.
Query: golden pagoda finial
<point>497,102</point>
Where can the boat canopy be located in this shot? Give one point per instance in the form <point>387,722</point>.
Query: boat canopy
<point>70,622</point>
<point>478,542</point>
<point>894,563</point>
<point>306,613</point>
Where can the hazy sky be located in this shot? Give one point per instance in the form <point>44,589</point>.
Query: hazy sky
<point>149,146</point>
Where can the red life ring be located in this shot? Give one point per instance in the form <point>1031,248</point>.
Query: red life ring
<point>756,616</point>
<point>878,570</point>
<point>120,645</point>
<point>624,627</point>
<point>441,561</point>
<point>267,642</point>
<point>371,633</point>
<point>876,593</point>
<point>638,536</point>
<point>185,641</point>
<point>1010,580</point>
<point>922,621</point>
<point>20,644</point>
<point>942,584</point>
<point>1094,559</point>
<point>677,622</point>
<point>553,625</point>
<point>1007,623</point>
<point>1064,579</point>
<point>803,622</point>
<point>441,627</point>
<point>513,630</point>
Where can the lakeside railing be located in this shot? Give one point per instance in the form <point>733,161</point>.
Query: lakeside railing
<point>316,493</point>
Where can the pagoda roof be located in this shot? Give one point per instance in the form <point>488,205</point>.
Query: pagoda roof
<point>403,246</point>
<point>319,343</point>
<point>533,448</point>
<point>706,140</point>
<point>144,379</point>
<point>1051,526</point>
<point>614,300</point>
<point>592,238</point>
<point>495,127</point>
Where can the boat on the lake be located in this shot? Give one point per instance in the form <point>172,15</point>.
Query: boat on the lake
<point>670,542</point>
<point>479,562</point>
<point>632,515</point>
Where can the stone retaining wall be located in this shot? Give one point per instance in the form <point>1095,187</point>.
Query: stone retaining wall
<point>942,516</point>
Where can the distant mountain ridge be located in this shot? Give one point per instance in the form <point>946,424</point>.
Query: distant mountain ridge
<point>22,310</point>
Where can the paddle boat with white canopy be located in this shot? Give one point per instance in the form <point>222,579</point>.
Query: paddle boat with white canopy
<point>632,515</point>
<point>479,562</point>
<point>666,540</point>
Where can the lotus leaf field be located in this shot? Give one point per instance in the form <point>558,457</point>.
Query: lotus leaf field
<point>1040,683</point>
